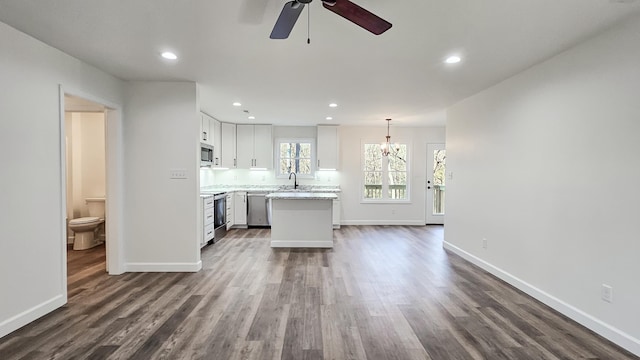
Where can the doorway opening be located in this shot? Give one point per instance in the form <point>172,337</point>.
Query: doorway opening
<point>435,186</point>
<point>91,177</point>
<point>85,158</point>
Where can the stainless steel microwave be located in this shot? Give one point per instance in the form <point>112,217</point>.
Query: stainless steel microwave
<point>206,155</point>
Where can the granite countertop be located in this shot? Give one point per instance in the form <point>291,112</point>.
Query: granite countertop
<point>270,188</point>
<point>295,195</point>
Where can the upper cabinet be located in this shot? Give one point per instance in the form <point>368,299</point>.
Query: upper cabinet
<point>211,134</point>
<point>216,129</point>
<point>205,130</point>
<point>327,147</point>
<point>254,146</point>
<point>228,146</point>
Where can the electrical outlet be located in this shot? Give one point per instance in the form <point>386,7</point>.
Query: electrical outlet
<point>235,177</point>
<point>263,177</point>
<point>607,293</point>
<point>485,243</point>
<point>393,212</point>
<point>177,173</point>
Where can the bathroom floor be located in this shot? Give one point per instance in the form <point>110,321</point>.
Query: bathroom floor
<point>84,265</point>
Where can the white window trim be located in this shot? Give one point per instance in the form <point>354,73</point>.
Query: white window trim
<point>295,140</point>
<point>383,200</point>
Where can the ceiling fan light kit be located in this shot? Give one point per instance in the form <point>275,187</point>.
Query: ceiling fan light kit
<point>345,8</point>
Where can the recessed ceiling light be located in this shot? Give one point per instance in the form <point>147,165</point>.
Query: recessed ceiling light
<point>329,118</point>
<point>252,117</point>
<point>169,55</point>
<point>333,105</point>
<point>237,104</point>
<point>453,59</point>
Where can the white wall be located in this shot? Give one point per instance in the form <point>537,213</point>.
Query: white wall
<point>349,175</point>
<point>32,266</point>
<point>545,166</point>
<point>86,139</point>
<point>161,133</point>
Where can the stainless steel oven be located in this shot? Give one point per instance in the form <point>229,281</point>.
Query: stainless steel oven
<point>219,216</point>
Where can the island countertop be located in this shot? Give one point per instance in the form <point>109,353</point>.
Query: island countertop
<point>295,195</point>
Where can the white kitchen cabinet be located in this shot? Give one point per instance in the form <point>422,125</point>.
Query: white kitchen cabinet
<point>254,146</point>
<point>205,130</point>
<point>216,130</point>
<point>228,147</point>
<point>240,209</point>
<point>244,146</point>
<point>230,213</point>
<point>263,146</point>
<point>336,212</point>
<point>327,153</point>
<point>207,220</point>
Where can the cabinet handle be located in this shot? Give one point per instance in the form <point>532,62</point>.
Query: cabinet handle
<point>204,135</point>
<point>234,162</point>
<point>318,162</point>
<point>217,161</point>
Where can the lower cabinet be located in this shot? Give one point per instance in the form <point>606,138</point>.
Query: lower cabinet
<point>207,220</point>
<point>229,210</point>
<point>336,212</point>
<point>240,209</point>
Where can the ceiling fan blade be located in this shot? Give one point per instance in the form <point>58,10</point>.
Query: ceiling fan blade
<point>287,19</point>
<point>358,15</point>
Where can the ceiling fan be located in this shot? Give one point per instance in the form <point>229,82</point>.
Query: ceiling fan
<point>345,8</point>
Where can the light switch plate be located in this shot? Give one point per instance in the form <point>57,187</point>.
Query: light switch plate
<point>607,293</point>
<point>177,173</point>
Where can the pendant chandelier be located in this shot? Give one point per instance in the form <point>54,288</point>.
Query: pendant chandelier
<point>385,147</point>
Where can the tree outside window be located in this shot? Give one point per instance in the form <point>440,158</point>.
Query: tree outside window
<point>385,178</point>
<point>295,156</point>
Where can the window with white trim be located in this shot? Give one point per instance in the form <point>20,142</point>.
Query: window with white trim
<point>385,178</point>
<point>295,155</point>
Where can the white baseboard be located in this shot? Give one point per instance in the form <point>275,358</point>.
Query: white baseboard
<point>383,222</point>
<point>163,267</point>
<point>27,316</point>
<point>603,329</point>
<point>301,244</point>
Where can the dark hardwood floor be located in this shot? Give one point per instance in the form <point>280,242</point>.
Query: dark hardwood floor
<point>387,292</point>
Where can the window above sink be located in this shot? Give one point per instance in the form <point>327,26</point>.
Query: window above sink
<point>295,155</point>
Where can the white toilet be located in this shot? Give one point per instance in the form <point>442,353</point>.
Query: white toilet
<point>86,228</point>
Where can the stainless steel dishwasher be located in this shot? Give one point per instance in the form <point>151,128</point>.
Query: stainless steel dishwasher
<point>258,209</point>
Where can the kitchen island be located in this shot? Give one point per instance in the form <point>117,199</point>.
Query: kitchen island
<point>302,219</point>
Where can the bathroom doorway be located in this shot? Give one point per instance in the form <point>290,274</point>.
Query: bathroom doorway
<point>91,152</point>
<point>85,186</point>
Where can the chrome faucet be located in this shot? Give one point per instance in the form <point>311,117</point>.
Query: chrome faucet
<point>295,180</point>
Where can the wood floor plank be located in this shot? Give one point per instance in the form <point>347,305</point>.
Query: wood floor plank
<point>382,292</point>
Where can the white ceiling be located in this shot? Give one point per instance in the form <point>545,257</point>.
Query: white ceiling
<point>225,47</point>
